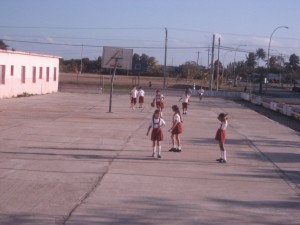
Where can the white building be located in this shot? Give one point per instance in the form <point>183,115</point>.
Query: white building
<point>22,72</point>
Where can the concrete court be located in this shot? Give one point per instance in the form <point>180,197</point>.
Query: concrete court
<point>65,160</point>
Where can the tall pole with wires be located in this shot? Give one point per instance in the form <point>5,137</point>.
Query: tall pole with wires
<point>218,66</point>
<point>212,64</point>
<point>165,64</point>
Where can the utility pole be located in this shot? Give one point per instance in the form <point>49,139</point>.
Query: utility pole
<point>212,63</point>
<point>208,57</point>
<point>198,58</point>
<point>165,65</point>
<point>218,66</point>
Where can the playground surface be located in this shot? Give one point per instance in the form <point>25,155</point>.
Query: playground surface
<point>65,160</point>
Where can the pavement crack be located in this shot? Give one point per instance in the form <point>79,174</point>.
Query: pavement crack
<point>65,219</point>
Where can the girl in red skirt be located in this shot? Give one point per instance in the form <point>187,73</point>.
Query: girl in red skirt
<point>185,103</point>
<point>156,123</point>
<point>221,136</point>
<point>159,101</point>
<point>141,95</point>
<point>176,129</point>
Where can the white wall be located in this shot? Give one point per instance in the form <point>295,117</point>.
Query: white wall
<point>14,86</point>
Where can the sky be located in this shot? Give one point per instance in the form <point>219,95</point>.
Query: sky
<point>80,28</point>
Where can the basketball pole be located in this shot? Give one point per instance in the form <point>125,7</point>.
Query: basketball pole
<point>112,84</point>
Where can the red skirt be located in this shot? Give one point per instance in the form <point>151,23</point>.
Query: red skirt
<point>133,100</point>
<point>178,129</point>
<point>141,99</point>
<point>157,134</point>
<point>159,105</point>
<point>220,136</point>
<point>184,105</point>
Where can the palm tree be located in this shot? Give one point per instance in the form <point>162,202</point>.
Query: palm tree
<point>292,65</point>
<point>260,54</point>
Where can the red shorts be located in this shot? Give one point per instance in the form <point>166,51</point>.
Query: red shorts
<point>178,129</point>
<point>133,100</point>
<point>157,134</point>
<point>220,136</point>
<point>141,99</point>
<point>184,105</point>
<point>159,105</point>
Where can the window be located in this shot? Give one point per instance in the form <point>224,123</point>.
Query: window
<point>11,70</point>
<point>54,75</point>
<point>2,74</point>
<point>23,71</point>
<point>41,73</point>
<point>47,74</point>
<point>34,74</point>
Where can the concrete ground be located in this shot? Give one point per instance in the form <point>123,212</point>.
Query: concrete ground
<point>65,160</point>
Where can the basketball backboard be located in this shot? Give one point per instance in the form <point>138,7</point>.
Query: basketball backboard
<point>120,58</point>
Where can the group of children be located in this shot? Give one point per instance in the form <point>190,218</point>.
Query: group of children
<point>157,122</point>
<point>137,94</point>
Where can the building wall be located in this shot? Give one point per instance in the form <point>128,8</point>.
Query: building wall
<point>17,74</point>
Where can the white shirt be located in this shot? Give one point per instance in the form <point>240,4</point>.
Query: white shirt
<point>133,93</point>
<point>159,98</point>
<point>201,91</point>
<point>141,93</point>
<point>176,118</point>
<point>156,123</point>
<point>186,98</point>
<point>224,125</point>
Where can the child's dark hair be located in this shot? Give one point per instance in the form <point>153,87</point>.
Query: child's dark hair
<point>176,109</point>
<point>156,111</point>
<point>223,116</point>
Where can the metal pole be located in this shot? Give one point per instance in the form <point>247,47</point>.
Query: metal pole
<point>218,66</point>
<point>212,63</point>
<point>111,85</point>
<point>80,64</point>
<point>208,57</point>
<point>165,64</point>
<point>268,62</point>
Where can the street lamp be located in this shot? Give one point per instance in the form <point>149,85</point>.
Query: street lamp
<point>234,63</point>
<point>268,65</point>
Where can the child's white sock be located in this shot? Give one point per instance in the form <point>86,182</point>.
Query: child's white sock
<point>179,147</point>
<point>224,155</point>
<point>174,146</point>
<point>159,149</point>
<point>154,150</point>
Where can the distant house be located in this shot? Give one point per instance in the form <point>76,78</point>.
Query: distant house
<point>22,72</point>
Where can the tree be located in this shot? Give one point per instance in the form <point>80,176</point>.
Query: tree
<point>189,70</point>
<point>292,65</point>
<point>260,54</point>
<point>294,62</point>
<point>3,45</point>
<point>251,61</point>
<point>145,64</point>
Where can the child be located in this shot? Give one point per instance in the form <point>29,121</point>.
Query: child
<point>159,101</point>
<point>133,96</point>
<point>221,135</point>
<point>156,123</point>
<point>141,95</point>
<point>185,102</point>
<point>201,93</point>
<point>176,129</point>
